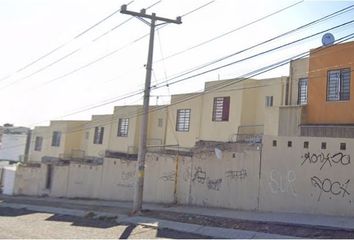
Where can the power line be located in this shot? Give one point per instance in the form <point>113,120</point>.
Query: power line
<point>198,8</point>
<point>246,58</point>
<point>110,53</point>
<point>139,92</point>
<point>63,44</point>
<point>122,23</point>
<point>71,53</point>
<point>235,29</point>
<point>168,82</point>
<point>327,17</point>
<point>222,84</point>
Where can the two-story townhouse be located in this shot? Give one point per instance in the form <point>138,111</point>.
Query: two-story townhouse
<point>319,95</point>
<point>38,144</point>
<point>58,143</point>
<point>63,140</point>
<point>95,139</point>
<point>125,129</point>
<point>227,110</point>
<point>329,110</point>
<point>183,120</point>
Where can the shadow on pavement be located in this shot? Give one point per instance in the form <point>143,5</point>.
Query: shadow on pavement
<point>83,222</point>
<point>167,233</point>
<point>10,212</point>
<point>128,230</point>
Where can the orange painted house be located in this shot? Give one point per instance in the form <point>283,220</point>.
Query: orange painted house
<point>330,99</point>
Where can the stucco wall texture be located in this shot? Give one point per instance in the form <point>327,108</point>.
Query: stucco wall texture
<point>286,174</point>
<point>319,110</point>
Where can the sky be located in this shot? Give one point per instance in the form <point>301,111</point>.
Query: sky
<point>107,62</point>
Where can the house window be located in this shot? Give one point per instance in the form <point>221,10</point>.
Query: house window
<point>38,144</point>
<point>269,101</point>
<point>221,109</point>
<point>56,139</point>
<point>302,91</point>
<point>98,137</point>
<point>123,126</point>
<point>183,120</point>
<point>338,85</point>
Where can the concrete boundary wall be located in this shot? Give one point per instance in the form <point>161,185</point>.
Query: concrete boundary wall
<point>286,174</point>
<point>307,175</point>
<point>229,182</point>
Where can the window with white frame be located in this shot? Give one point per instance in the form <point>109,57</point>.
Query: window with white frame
<point>123,126</point>
<point>38,144</point>
<point>302,91</point>
<point>56,138</point>
<point>98,136</point>
<point>338,85</point>
<point>221,109</point>
<point>183,120</point>
<point>269,101</point>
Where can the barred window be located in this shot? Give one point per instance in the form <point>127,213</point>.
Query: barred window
<point>338,85</point>
<point>221,108</point>
<point>183,120</point>
<point>302,91</point>
<point>123,126</point>
<point>269,101</point>
<point>38,144</point>
<point>56,138</point>
<point>98,136</point>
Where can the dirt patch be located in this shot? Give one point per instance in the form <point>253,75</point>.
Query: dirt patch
<point>301,231</point>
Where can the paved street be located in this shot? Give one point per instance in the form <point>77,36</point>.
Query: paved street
<point>79,218</point>
<point>20,223</point>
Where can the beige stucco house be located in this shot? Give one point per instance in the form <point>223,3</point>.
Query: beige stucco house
<point>125,130</point>
<point>60,140</point>
<point>96,136</point>
<point>227,110</point>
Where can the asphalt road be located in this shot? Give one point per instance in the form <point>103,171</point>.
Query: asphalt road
<point>21,223</point>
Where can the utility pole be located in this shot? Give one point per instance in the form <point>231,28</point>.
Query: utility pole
<point>139,185</point>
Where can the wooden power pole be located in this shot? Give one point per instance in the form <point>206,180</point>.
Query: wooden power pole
<point>139,185</point>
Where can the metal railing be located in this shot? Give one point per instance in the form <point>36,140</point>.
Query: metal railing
<point>335,131</point>
<point>251,134</point>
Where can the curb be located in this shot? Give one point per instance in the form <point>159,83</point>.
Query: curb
<point>214,232</point>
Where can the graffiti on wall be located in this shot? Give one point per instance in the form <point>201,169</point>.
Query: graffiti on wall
<point>168,176</point>
<point>236,174</point>
<point>127,175</point>
<point>329,186</point>
<point>214,184</point>
<point>199,175</point>
<point>328,159</point>
<point>282,184</point>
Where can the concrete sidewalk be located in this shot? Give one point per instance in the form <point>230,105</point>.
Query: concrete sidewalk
<point>327,221</point>
<point>79,207</point>
<point>207,231</point>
